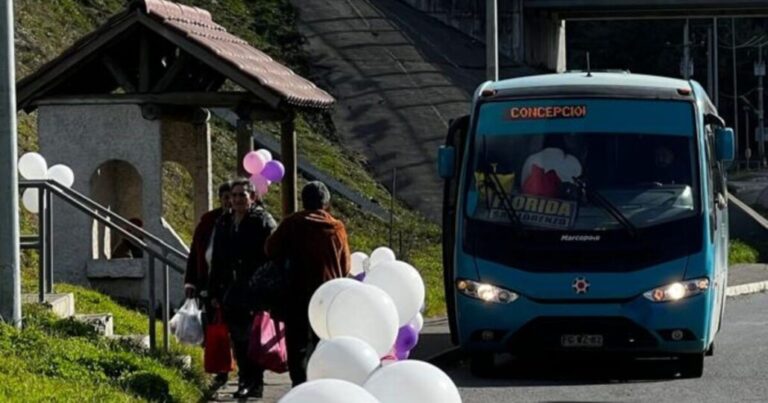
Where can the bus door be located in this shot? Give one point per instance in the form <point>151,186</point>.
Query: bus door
<point>456,138</point>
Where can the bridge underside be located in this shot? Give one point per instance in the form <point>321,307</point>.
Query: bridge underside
<point>651,9</point>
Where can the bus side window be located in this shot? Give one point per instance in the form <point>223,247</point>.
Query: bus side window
<point>715,179</point>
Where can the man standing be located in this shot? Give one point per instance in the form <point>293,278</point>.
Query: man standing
<point>314,244</point>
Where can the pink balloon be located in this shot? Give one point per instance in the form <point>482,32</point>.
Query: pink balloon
<point>253,162</point>
<point>273,170</point>
<point>260,183</point>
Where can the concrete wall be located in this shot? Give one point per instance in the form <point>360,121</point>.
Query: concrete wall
<point>189,144</point>
<point>116,156</point>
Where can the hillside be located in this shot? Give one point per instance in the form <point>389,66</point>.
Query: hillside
<point>43,32</point>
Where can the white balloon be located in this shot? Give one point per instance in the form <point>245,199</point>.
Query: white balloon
<point>31,200</point>
<point>358,263</point>
<point>321,300</point>
<point>33,166</point>
<point>403,283</point>
<point>417,322</point>
<point>328,391</point>
<point>346,358</point>
<point>380,255</point>
<point>62,174</point>
<point>265,153</point>
<point>365,312</point>
<point>412,381</point>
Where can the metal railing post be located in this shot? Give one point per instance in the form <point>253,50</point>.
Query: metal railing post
<point>166,307</point>
<point>42,233</point>
<point>48,241</point>
<point>152,302</point>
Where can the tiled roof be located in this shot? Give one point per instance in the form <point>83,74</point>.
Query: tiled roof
<point>198,25</point>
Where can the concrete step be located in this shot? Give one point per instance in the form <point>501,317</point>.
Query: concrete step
<point>62,305</point>
<point>103,323</point>
<point>138,340</point>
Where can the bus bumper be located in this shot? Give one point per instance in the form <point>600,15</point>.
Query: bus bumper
<point>637,326</point>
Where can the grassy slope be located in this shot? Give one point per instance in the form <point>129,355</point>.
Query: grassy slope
<point>64,360</point>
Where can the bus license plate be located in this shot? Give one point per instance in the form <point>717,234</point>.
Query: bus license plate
<point>581,340</point>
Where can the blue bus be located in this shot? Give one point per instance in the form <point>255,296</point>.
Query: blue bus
<point>587,212</point>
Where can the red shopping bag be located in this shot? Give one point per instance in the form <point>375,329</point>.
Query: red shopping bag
<point>267,344</point>
<point>218,353</point>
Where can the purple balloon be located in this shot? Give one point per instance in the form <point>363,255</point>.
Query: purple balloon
<point>407,337</point>
<point>402,355</point>
<point>273,170</point>
<point>359,276</point>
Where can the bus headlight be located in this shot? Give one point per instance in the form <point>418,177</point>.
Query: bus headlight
<point>485,292</point>
<point>678,291</point>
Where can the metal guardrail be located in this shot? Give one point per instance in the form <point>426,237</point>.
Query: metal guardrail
<point>154,247</point>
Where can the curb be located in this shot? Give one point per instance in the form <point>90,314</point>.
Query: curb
<point>745,289</point>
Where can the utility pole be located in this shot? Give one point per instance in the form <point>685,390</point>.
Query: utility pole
<point>491,41</point>
<point>760,73</point>
<point>685,68</point>
<point>735,93</point>
<point>710,65</point>
<point>716,65</point>
<point>10,276</point>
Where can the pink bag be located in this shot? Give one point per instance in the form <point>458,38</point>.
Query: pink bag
<point>267,344</point>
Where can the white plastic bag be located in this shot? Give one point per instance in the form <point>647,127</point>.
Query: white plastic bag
<point>187,324</point>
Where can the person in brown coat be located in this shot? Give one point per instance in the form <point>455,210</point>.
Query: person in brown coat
<point>314,244</point>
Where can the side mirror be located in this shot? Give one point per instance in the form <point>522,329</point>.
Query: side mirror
<point>446,161</point>
<point>724,148</point>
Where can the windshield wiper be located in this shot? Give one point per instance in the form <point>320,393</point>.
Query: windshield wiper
<point>597,198</point>
<point>491,180</point>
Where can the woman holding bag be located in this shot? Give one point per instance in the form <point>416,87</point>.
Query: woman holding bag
<point>238,250</point>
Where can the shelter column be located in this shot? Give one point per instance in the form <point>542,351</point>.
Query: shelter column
<point>244,143</point>
<point>288,152</point>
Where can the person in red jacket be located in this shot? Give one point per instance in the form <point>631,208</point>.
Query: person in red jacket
<point>200,256</point>
<point>314,244</point>
<point>200,253</point>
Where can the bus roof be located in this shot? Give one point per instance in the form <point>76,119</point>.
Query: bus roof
<point>580,79</point>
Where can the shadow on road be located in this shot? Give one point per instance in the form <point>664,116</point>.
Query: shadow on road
<point>558,370</point>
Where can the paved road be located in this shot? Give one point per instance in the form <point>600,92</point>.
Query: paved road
<point>738,372</point>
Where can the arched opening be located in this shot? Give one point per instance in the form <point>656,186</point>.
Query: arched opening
<point>178,200</point>
<point>118,186</point>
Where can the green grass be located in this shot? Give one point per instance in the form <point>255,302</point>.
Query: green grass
<point>53,359</point>
<point>741,252</point>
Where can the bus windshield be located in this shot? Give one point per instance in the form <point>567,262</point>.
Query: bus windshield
<point>621,163</point>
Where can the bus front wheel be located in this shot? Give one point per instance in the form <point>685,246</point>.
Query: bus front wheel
<point>691,365</point>
<point>482,364</point>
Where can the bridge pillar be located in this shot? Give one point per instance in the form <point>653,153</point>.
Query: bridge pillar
<point>543,41</point>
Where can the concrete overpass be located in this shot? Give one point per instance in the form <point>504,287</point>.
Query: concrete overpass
<point>532,32</point>
<point>656,9</point>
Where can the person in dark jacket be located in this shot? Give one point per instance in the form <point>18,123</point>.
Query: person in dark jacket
<point>314,244</point>
<point>126,249</point>
<point>238,250</point>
